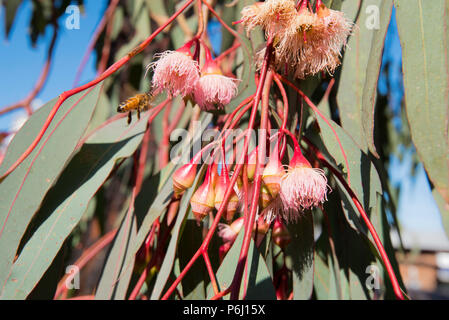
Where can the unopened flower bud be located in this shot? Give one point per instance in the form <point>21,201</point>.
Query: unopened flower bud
<point>203,199</point>
<point>273,173</point>
<point>252,163</point>
<point>183,178</point>
<point>280,235</point>
<point>224,248</point>
<point>220,189</point>
<point>261,226</point>
<point>265,197</point>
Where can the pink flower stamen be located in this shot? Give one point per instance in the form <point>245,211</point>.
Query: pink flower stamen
<point>176,72</point>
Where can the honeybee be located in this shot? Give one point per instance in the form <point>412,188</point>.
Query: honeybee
<point>140,102</point>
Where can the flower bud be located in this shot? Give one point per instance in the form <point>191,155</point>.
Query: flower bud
<point>183,178</point>
<point>280,235</point>
<point>252,163</point>
<point>203,199</point>
<point>220,190</point>
<point>281,280</point>
<point>229,232</point>
<point>262,227</point>
<point>321,10</point>
<point>224,248</point>
<point>214,174</point>
<point>273,173</point>
<point>265,197</point>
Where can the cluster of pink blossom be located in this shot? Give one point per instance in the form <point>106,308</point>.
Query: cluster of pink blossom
<point>284,193</point>
<point>178,73</point>
<point>299,188</point>
<point>305,42</point>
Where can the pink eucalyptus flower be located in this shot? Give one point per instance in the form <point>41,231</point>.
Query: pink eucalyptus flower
<point>214,90</point>
<point>305,43</point>
<point>302,187</point>
<point>203,200</point>
<point>229,232</point>
<point>274,209</point>
<point>176,72</point>
<point>272,15</point>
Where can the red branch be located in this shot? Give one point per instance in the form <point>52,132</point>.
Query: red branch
<point>315,109</point>
<point>109,11</point>
<point>372,230</point>
<point>263,88</point>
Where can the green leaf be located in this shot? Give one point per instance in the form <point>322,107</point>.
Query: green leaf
<point>300,256</point>
<point>11,7</point>
<point>141,20</point>
<point>352,255</point>
<point>166,189</point>
<point>423,32</point>
<point>260,284</point>
<point>360,70</point>
<point>329,280</point>
<point>160,203</point>
<point>66,202</point>
<point>156,7</point>
<point>193,284</point>
<point>119,265</point>
<point>444,210</point>
<point>373,71</point>
<point>365,182</point>
<point>364,179</point>
<point>170,254</point>
<point>23,190</point>
<point>321,279</point>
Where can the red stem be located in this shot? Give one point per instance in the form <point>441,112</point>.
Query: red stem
<point>210,271</point>
<point>285,114</point>
<point>205,245</point>
<point>227,52</point>
<point>94,39</point>
<point>396,287</point>
<point>315,109</point>
<point>221,294</point>
<point>261,151</point>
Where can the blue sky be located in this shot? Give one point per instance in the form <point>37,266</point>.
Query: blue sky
<point>20,66</point>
